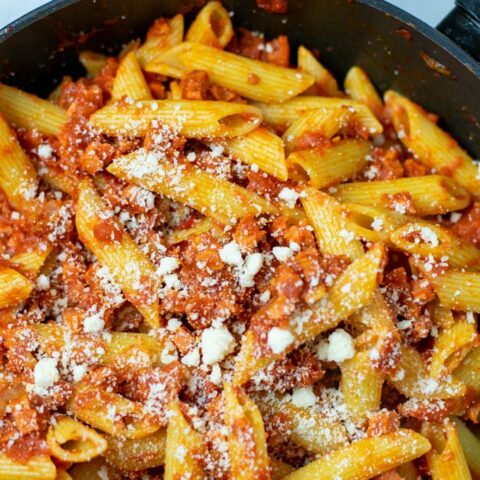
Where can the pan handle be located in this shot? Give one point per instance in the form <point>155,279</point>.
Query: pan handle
<point>462,25</point>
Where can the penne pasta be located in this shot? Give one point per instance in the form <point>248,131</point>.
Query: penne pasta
<point>422,238</point>
<point>28,111</point>
<point>83,442</point>
<point>470,445</point>
<point>129,80</point>
<point>192,118</point>
<point>359,87</point>
<point>130,267</point>
<point>458,290</point>
<point>260,148</point>
<point>38,468</point>
<point>323,78</point>
<point>468,371</point>
<point>160,39</point>
<point>247,444</point>
<point>430,195</point>
<point>217,198</point>
<point>431,144</point>
<point>252,79</point>
<point>365,458</point>
<point>284,114</point>
<point>137,454</point>
<point>451,346</point>
<point>14,287</point>
<point>331,225</point>
<point>331,165</point>
<point>446,460</point>
<point>212,26</point>
<point>184,449</point>
<point>361,386</point>
<point>18,178</point>
<point>325,122</point>
<point>30,263</point>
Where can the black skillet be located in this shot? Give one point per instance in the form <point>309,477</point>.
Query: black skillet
<point>397,50</point>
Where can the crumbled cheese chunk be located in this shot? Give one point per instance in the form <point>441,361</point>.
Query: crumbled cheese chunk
<point>231,254</point>
<point>44,150</point>
<point>282,254</point>
<point>289,196</point>
<point>45,374</point>
<point>303,397</point>
<point>322,350</point>
<point>216,375</point>
<point>340,346</point>
<point>78,372</point>
<point>167,265</point>
<point>455,217</point>
<point>173,324</point>
<point>94,323</point>
<point>279,339</point>
<point>253,264</point>
<point>43,282</point>
<point>192,358</point>
<point>217,343</point>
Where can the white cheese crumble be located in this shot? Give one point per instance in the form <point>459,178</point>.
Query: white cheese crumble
<point>303,397</point>
<point>282,254</point>
<point>44,150</point>
<point>78,372</point>
<point>253,264</point>
<point>279,339</point>
<point>167,265</point>
<point>217,343</point>
<point>45,374</point>
<point>192,358</point>
<point>93,323</point>
<point>340,346</point>
<point>43,282</point>
<point>289,196</point>
<point>231,254</point>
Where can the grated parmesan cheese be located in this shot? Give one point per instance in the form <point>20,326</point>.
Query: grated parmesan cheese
<point>217,343</point>
<point>279,339</point>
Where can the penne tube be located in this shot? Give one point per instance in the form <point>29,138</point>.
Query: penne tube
<point>431,194</point>
<point>166,70</point>
<point>446,460</point>
<point>326,122</point>
<point>28,111</point>
<point>212,26</point>
<point>359,87</point>
<point>14,287</point>
<point>365,458</point>
<point>130,267</point>
<point>18,178</point>
<point>137,454</point>
<point>323,78</point>
<point>92,406</point>
<point>284,114</point>
<point>470,446</point>
<point>129,80</point>
<point>204,225</point>
<point>30,263</point>
<point>431,144</point>
<point>412,379</point>
<point>458,290</point>
<point>246,438</point>
<point>330,223</point>
<point>451,346</point>
<point>260,148</point>
<point>468,371</point>
<point>93,62</point>
<point>192,118</point>
<point>424,239</point>
<point>374,224</point>
<point>307,427</point>
<point>252,79</point>
<point>361,385</point>
<point>36,468</point>
<point>84,443</point>
<point>332,165</point>
<point>185,449</point>
<point>161,39</point>
<point>351,291</point>
<point>217,198</point>
<point>94,469</point>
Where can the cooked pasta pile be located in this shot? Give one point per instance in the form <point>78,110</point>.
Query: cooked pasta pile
<point>216,265</point>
